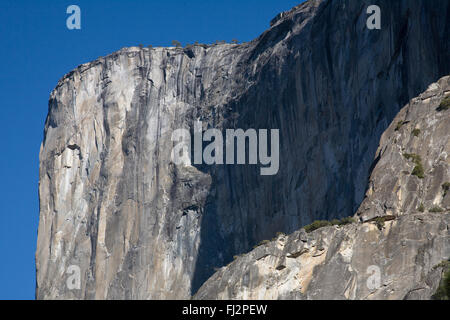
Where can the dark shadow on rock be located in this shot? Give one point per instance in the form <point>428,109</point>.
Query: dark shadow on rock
<point>244,208</point>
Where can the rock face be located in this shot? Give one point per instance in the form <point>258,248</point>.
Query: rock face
<point>412,161</point>
<point>341,263</point>
<point>402,246</point>
<point>140,227</point>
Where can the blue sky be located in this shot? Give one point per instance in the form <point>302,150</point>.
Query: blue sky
<point>37,50</point>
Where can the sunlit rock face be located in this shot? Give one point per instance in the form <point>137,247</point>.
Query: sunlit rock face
<point>412,163</point>
<point>356,261</point>
<point>399,237</point>
<point>138,226</point>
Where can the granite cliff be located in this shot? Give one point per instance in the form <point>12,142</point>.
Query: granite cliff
<point>397,241</point>
<point>138,226</point>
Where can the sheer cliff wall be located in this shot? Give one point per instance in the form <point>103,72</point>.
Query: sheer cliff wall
<point>141,227</point>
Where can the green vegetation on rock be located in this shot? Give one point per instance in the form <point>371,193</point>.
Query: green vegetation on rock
<point>263,242</point>
<point>444,105</point>
<point>436,209</point>
<point>443,291</point>
<point>446,187</point>
<point>418,169</point>
<point>176,43</point>
<point>399,125</point>
<point>324,223</point>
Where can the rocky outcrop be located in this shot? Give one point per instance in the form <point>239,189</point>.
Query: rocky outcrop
<point>393,253</point>
<point>357,261</point>
<point>140,227</point>
<point>412,162</point>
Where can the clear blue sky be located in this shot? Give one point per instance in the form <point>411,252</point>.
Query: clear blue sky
<point>37,50</point>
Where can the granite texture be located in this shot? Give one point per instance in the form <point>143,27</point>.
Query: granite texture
<point>140,227</point>
<point>397,233</point>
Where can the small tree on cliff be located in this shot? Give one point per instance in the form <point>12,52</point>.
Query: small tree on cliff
<point>176,43</point>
